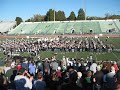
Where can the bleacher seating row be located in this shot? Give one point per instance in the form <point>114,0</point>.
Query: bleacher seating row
<point>67,27</point>
<point>6,26</point>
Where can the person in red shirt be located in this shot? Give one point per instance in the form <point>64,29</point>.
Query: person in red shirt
<point>19,67</point>
<point>59,72</point>
<point>115,66</point>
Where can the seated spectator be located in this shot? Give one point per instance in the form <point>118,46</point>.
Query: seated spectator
<point>23,81</point>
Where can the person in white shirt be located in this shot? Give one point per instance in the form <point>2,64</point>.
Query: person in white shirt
<point>93,67</point>
<point>23,81</point>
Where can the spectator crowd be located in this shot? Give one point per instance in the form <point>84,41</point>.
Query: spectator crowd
<point>66,74</point>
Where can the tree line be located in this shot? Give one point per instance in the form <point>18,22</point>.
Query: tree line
<point>60,16</point>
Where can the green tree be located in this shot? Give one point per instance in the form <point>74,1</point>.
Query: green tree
<point>38,18</point>
<point>95,18</point>
<point>28,20</point>
<point>49,15</point>
<point>114,17</point>
<point>18,20</point>
<point>81,14</point>
<point>72,16</point>
<point>60,16</point>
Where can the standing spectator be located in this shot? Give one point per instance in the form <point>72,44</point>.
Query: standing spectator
<point>87,82</point>
<point>115,66</point>
<point>47,78</point>
<point>78,82</point>
<point>117,76</point>
<point>82,69</point>
<point>3,82</point>
<point>19,66</point>
<point>98,79</point>
<point>40,66</point>
<point>59,73</point>
<point>46,65</point>
<point>104,69</point>
<point>12,85</point>
<point>110,79</point>
<point>23,81</point>
<point>71,85</point>
<point>39,84</point>
<point>7,67</point>
<point>54,65</point>
<point>54,82</point>
<point>9,72</point>
<point>93,67</point>
<point>32,68</point>
<point>25,64</point>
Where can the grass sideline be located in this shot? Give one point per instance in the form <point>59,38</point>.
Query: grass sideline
<point>96,56</point>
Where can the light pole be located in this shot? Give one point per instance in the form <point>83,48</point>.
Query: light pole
<point>85,8</point>
<point>54,14</point>
<point>54,11</point>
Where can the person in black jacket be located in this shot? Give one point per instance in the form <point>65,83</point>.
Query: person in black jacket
<point>71,85</point>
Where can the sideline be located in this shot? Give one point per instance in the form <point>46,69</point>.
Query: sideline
<point>116,56</point>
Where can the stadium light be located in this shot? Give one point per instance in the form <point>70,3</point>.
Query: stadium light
<point>85,8</point>
<point>54,11</point>
<point>54,14</point>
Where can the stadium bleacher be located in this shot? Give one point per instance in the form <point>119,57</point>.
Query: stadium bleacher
<point>108,26</point>
<point>6,26</point>
<point>53,28</point>
<point>90,27</point>
<point>67,27</point>
<point>117,24</point>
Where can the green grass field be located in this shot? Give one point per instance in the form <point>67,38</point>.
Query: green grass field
<point>78,55</point>
<point>114,41</point>
<point>102,56</point>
